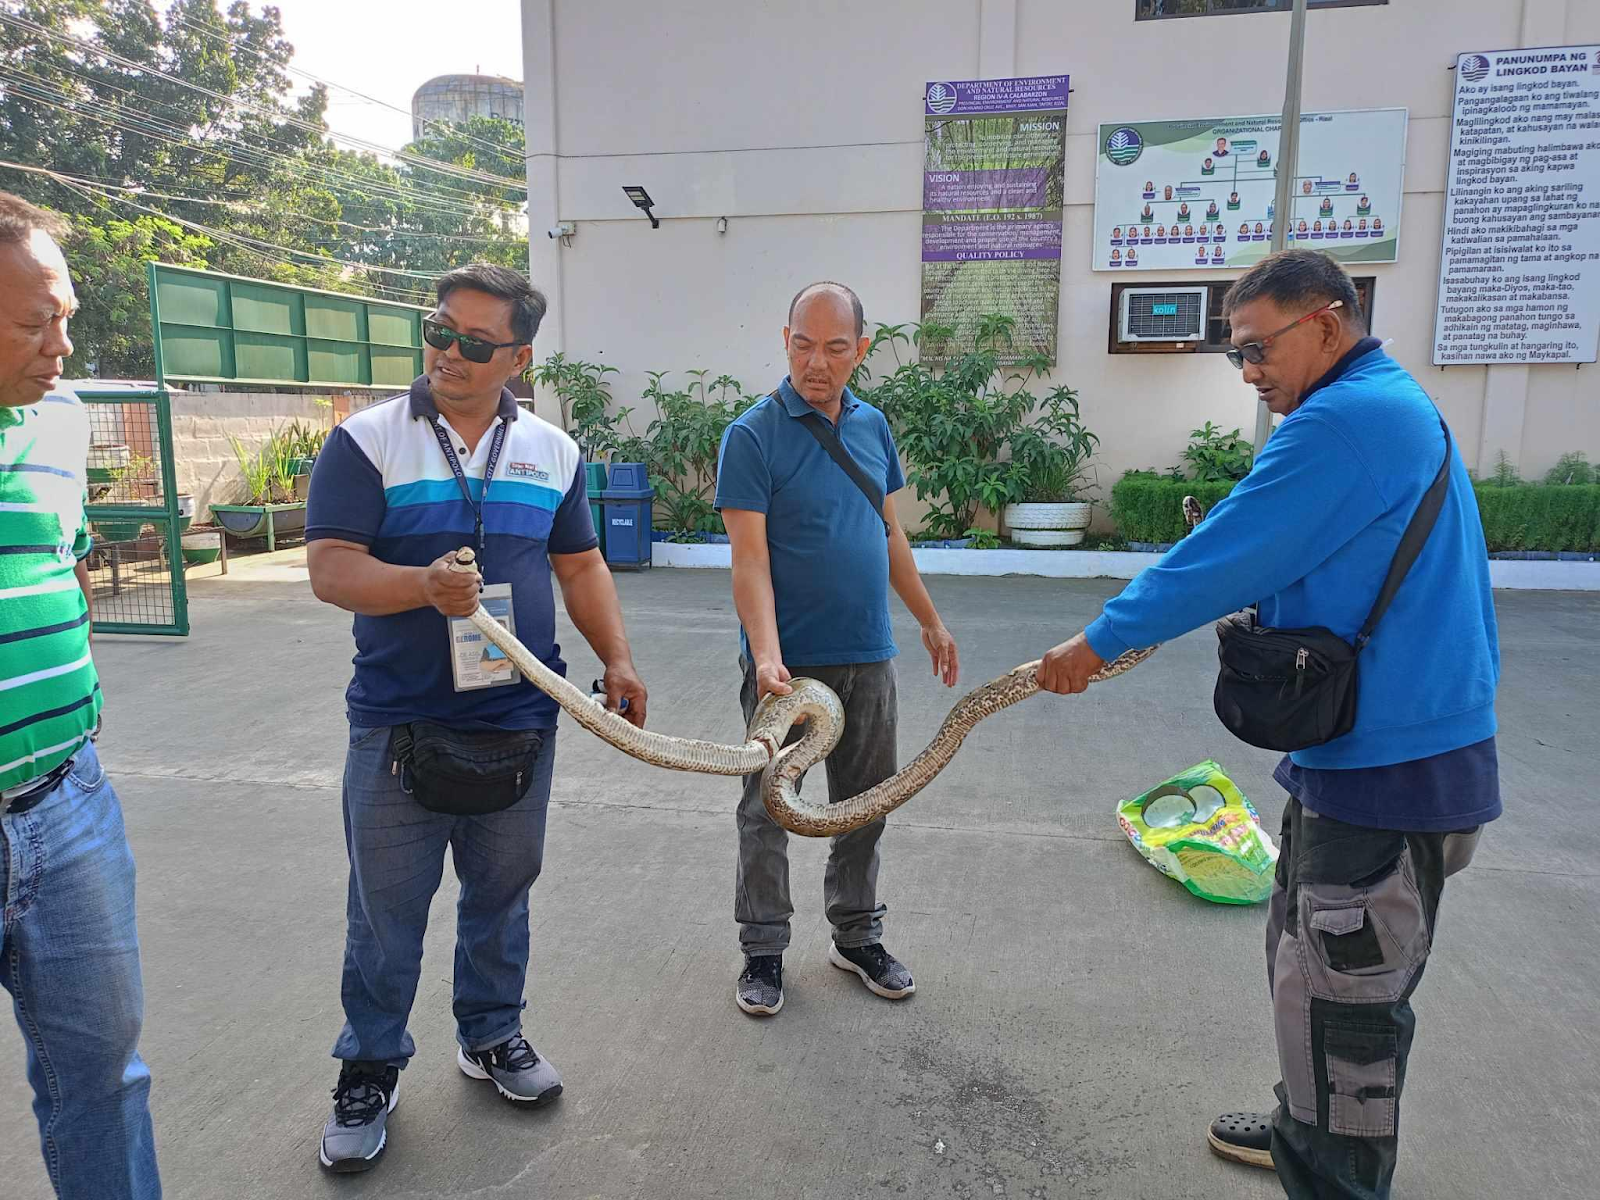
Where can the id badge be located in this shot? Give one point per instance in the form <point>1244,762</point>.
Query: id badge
<point>475,661</point>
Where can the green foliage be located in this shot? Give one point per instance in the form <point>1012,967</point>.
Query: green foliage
<point>1505,472</point>
<point>301,440</point>
<point>680,447</point>
<point>151,158</point>
<point>1571,468</point>
<point>267,473</point>
<point>1216,457</point>
<point>584,395</point>
<point>983,539</point>
<point>1534,517</point>
<point>972,433</point>
<point>1149,508</point>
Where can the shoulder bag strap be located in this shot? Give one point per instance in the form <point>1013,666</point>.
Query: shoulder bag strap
<point>1411,542</point>
<point>830,441</point>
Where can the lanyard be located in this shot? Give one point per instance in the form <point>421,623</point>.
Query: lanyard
<point>495,445</point>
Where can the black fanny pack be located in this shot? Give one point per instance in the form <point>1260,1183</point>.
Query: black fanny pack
<point>464,772</point>
<point>1289,689</point>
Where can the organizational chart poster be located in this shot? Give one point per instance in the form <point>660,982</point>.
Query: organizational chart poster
<point>1184,194</point>
<point>1519,275</point>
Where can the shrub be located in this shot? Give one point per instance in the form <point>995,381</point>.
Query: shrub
<point>1534,517</point>
<point>1216,457</point>
<point>1149,508</point>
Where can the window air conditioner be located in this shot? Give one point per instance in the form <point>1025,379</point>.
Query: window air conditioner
<point>1163,314</point>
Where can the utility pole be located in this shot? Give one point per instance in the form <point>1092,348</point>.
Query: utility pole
<point>1288,167</point>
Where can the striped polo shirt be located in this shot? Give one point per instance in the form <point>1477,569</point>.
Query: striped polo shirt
<point>382,481</point>
<point>49,692</point>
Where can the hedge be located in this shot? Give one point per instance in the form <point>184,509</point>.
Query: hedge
<point>1530,517</point>
<point>1538,517</point>
<point>1149,508</point>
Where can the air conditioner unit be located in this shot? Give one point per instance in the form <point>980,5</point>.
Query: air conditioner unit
<point>1163,314</point>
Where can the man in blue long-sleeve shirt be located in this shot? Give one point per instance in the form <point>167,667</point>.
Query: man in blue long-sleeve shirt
<point>1377,818</point>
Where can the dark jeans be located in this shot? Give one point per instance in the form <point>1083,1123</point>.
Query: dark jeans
<point>397,850</point>
<point>864,756</point>
<point>1349,927</point>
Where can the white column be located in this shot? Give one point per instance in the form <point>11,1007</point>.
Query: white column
<point>997,39</point>
<point>544,175</point>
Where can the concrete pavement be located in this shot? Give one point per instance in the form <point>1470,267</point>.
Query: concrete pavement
<point>1078,1019</point>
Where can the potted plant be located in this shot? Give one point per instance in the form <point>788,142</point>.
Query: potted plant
<point>1048,460</point>
<point>269,506</point>
<point>129,469</point>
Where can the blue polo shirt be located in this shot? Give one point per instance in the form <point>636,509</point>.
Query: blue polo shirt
<point>382,481</point>
<point>830,559</point>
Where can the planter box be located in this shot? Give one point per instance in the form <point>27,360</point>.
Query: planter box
<point>117,530</point>
<point>1047,524</point>
<point>260,520</point>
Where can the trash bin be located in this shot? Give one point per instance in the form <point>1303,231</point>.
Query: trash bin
<point>595,481</point>
<point>628,516</point>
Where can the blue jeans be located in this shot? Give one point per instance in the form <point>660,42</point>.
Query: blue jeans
<point>69,956</point>
<point>396,849</point>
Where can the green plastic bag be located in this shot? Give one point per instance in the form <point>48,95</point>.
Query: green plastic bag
<point>1199,828</point>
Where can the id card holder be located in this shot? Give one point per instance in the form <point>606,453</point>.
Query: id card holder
<point>475,661</point>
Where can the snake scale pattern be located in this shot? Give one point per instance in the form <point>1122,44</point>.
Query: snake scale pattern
<point>763,750</point>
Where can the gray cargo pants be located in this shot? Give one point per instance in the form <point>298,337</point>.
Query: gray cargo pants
<point>864,756</point>
<point>1349,927</point>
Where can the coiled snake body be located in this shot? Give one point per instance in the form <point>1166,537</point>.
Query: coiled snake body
<point>782,766</point>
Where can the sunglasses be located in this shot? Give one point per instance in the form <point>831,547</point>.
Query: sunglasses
<point>472,349</point>
<point>1256,352</point>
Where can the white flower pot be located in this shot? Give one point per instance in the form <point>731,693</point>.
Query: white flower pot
<point>1046,516</point>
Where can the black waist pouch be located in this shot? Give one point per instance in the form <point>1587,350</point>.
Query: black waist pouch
<point>1288,689</point>
<point>1284,689</point>
<point>464,772</point>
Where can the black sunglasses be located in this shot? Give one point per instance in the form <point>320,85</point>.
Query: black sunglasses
<point>472,349</point>
<point>1256,352</point>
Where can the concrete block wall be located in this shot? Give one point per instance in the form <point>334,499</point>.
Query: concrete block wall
<point>202,423</point>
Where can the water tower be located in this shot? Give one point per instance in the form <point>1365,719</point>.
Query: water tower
<point>459,98</point>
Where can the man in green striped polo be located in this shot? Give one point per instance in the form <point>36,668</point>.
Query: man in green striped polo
<point>69,950</point>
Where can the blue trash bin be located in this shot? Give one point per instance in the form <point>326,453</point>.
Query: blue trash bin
<point>628,516</point>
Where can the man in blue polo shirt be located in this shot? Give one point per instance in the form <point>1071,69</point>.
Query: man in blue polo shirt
<point>812,568</point>
<point>1377,818</point>
<point>448,746</point>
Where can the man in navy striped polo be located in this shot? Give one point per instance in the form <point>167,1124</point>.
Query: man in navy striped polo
<point>69,950</point>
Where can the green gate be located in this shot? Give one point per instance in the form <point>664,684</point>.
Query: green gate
<point>135,524</point>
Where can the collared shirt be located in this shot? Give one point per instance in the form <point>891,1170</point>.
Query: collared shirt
<point>50,694</point>
<point>830,560</point>
<point>382,481</point>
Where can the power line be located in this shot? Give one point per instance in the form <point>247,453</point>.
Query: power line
<point>307,170</point>
<point>421,161</point>
<point>209,231</point>
<point>452,129</point>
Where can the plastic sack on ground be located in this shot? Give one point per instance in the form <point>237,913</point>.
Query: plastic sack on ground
<point>1198,828</point>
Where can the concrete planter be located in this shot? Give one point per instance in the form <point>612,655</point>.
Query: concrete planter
<point>1121,564</point>
<point>1035,524</point>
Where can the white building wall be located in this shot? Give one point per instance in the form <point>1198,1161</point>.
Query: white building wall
<point>802,124</point>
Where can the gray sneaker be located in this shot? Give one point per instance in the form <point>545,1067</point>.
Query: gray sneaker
<point>882,972</point>
<point>760,988</point>
<point>515,1068</point>
<point>356,1133</point>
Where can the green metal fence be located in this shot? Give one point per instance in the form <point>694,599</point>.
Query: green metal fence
<point>135,524</point>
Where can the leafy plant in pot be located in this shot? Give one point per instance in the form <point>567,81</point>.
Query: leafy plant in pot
<point>1045,471</point>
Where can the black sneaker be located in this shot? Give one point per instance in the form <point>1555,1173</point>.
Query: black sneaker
<point>357,1132</point>
<point>883,974</point>
<point>1242,1138</point>
<point>760,988</point>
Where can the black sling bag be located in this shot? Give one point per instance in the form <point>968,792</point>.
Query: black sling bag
<point>830,441</point>
<point>1288,689</point>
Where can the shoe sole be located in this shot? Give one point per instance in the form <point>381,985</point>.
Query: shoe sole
<point>349,1166</point>
<point>1240,1154</point>
<point>473,1071</point>
<point>844,964</point>
<point>757,1010</point>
